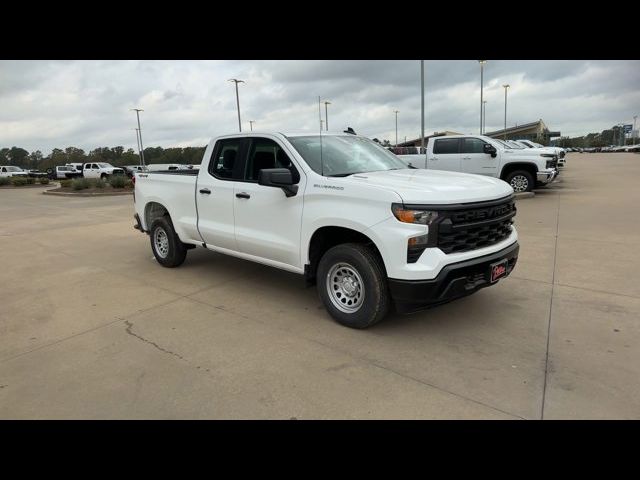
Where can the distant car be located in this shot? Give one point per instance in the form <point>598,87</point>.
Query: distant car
<point>36,173</point>
<point>11,171</point>
<point>63,172</point>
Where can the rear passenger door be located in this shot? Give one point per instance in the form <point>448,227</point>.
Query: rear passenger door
<point>445,155</point>
<point>214,193</point>
<point>474,160</point>
<point>268,223</point>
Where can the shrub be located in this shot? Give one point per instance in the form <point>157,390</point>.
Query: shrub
<point>79,183</point>
<point>18,181</point>
<point>100,183</point>
<point>44,181</point>
<point>65,183</point>
<point>31,181</point>
<point>118,181</point>
<point>4,181</point>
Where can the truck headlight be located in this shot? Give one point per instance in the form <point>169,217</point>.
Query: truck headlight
<point>406,215</point>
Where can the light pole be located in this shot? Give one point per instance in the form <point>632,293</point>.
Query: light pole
<point>321,123</point>
<point>484,116</point>
<point>236,81</point>
<point>326,115</point>
<point>138,110</point>
<point>506,87</point>
<point>482,62</point>
<point>396,112</point>
<point>138,143</point>
<point>422,106</point>
<point>251,122</point>
<point>634,129</point>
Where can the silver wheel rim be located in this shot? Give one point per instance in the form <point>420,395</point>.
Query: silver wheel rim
<point>345,288</point>
<point>161,242</point>
<point>519,183</point>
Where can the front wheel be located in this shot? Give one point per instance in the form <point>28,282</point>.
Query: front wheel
<point>352,285</point>
<point>520,181</point>
<point>166,245</point>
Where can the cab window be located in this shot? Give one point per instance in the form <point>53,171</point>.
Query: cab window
<point>446,145</point>
<point>225,158</point>
<point>472,145</point>
<point>265,153</point>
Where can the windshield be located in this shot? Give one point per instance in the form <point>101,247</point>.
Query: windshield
<point>14,169</point>
<point>105,165</point>
<point>344,155</point>
<point>503,143</point>
<point>515,144</point>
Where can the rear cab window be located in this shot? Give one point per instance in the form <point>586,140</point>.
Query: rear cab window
<point>446,146</point>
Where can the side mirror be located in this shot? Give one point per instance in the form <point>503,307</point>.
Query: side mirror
<point>278,177</point>
<point>490,149</point>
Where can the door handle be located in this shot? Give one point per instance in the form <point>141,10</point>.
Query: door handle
<point>243,195</point>
<point>433,158</point>
<point>206,191</point>
<point>466,158</point>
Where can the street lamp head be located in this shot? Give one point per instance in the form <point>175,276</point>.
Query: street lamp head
<point>327,103</point>
<point>236,80</point>
<point>136,110</point>
<point>506,86</point>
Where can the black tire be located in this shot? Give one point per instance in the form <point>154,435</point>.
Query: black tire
<point>375,301</point>
<point>520,181</point>
<point>104,176</point>
<point>175,251</point>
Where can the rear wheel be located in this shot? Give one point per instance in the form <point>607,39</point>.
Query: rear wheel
<point>520,181</point>
<point>165,243</point>
<point>352,285</point>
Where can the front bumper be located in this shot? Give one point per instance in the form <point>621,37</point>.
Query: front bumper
<point>454,281</point>
<point>547,176</point>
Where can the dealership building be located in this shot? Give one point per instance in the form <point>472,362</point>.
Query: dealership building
<point>535,131</point>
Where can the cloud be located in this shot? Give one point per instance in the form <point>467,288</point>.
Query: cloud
<point>47,104</point>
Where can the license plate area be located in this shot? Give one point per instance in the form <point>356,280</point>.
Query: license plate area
<point>498,270</point>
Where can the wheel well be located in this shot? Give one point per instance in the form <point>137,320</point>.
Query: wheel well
<point>511,167</point>
<point>152,211</point>
<point>327,237</point>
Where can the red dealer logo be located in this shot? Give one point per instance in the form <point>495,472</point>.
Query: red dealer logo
<point>498,271</point>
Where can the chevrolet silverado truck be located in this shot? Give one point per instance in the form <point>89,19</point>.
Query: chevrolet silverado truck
<point>523,169</point>
<point>340,210</point>
<point>559,151</point>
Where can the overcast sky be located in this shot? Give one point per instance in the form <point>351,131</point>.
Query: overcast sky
<point>47,104</point>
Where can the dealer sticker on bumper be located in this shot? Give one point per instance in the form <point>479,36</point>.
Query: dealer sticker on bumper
<point>499,270</point>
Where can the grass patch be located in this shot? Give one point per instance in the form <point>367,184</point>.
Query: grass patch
<point>5,181</point>
<point>118,181</point>
<point>44,181</point>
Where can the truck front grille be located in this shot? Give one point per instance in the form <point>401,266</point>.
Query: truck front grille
<point>475,226</point>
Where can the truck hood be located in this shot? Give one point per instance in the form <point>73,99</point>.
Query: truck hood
<point>435,186</point>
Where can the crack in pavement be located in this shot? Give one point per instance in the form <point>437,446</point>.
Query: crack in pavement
<point>140,337</point>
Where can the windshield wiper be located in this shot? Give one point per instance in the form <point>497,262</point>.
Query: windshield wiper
<point>342,174</point>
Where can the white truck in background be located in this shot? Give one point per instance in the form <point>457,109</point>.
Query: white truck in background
<point>561,152</point>
<point>340,210</point>
<point>100,170</point>
<point>523,169</point>
<point>12,171</point>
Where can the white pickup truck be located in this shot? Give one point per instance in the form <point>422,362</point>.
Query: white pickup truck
<point>11,171</point>
<point>100,170</point>
<point>560,152</point>
<point>523,169</point>
<point>340,210</point>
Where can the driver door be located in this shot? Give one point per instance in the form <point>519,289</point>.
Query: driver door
<point>475,160</point>
<point>267,222</point>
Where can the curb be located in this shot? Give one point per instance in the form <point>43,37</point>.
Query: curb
<point>69,194</point>
<point>525,195</point>
<point>25,187</point>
